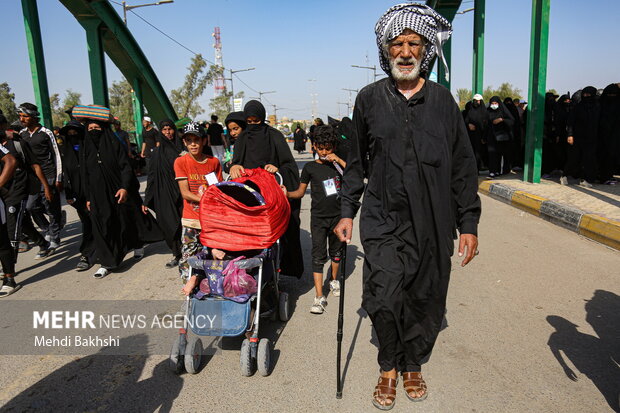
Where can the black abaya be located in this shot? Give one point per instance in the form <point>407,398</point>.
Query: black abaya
<point>422,186</point>
<point>257,146</point>
<point>162,192</point>
<point>117,228</point>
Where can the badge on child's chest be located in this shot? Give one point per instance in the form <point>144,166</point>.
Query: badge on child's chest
<point>211,178</point>
<point>330,187</point>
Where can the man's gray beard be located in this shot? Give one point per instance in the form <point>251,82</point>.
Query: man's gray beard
<point>400,76</point>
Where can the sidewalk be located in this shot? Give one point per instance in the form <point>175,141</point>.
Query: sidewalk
<point>591,212</point>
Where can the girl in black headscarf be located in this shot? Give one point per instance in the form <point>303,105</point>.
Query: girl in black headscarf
<point>113,199</point>
<point>499,137</point>
<point>162,191</point>
<point>235,124</point>
<point>261,146</point>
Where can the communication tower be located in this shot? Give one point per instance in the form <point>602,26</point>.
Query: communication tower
<point>219,84</point>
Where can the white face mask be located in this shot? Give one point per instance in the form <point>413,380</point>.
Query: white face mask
<point>494,106</point>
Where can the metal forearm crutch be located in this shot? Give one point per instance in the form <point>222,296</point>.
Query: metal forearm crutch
<point>342,268</point>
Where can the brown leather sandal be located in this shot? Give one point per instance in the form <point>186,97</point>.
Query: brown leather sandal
<point>415,386</point>
<point>384,396</point>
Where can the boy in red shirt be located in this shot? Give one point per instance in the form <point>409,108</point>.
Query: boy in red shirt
<point>194,172</point>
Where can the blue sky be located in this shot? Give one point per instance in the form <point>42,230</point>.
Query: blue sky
<point>289,42</point>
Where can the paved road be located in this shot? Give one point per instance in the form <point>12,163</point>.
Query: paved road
<point>535,290</point>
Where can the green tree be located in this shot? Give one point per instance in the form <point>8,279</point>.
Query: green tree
<point>222,105</point>
<point>463,96</point>
<point>121,104</point>
<point>185,98</point>
<point>505,90</point>
<point>7,102</point>
<point>59,115</point>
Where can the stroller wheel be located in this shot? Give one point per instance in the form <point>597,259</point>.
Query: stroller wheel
<point>176,356</point>
<point>263,358</point>
<point>247,363</point>
<point>283,307</point>
<point>193,355</point>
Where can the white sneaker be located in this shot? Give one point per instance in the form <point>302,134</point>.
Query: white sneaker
<point>54,245</point>
<point>101,272</point>
<point>585,184</point>
<point>138,253</point>
<point>48,238</point>
<point>564,180</point>
<point>334,288</point>
<point>318,307</point>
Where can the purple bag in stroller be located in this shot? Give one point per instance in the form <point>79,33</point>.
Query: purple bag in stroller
<point>238,284</point>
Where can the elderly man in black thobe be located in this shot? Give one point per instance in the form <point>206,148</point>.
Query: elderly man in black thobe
<point>412,146</point>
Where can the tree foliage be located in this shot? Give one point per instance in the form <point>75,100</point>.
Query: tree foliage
<point>222,106</point>
<point>59,117</point>
<point>7,102</point>
<point>121,104</point>
<point>503,91</point>
<point>185,98</point>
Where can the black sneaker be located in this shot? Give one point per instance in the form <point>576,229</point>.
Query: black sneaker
<point>83,265</point>
<point>44,251</point>
<point>172,263</point>
<point>8,287</point>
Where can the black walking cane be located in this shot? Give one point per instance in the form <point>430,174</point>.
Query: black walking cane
<point>343,265</point>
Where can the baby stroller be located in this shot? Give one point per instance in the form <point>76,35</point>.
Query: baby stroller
<point>232,316</point>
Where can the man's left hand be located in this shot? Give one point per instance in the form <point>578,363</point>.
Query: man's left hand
<point>59,186</point>
<point>271,169</point>
<point>468,242</point>
<point>121,194</point>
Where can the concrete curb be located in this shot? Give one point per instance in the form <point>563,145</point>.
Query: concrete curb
<point>597,228</point>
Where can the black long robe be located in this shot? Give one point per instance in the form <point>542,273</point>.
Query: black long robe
<point>479,117</point>
<point>300,140</point>
<point>500,150</point>
<point>422,186</point>
<point>162,191</point>
<point>609,132</point>
<point>583,126</point>
<point>117,228</point>
<point>278,154</point>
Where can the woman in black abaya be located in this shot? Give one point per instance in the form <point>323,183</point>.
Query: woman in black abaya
<point>162,191</point>
<point>261,146</point>
<point>113,198</point>
<point>300,139</point>
<point>499,137</point>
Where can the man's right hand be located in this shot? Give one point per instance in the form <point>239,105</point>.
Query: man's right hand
<point>236,171</point>
<point>471,127</point>
<point>48,193</point>
<point>570,140</point>
<point>344,230</point>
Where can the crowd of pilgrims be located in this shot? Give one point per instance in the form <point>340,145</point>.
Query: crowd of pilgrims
<point>581,135</point>
<point>91,160</point>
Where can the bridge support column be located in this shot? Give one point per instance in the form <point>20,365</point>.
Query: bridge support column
<point>96,60</point>
<point>536,91</point>
<point>478,64</point>
<point>138,111</point>
<point>37,60</point>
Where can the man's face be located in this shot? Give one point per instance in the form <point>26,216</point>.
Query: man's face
<point>168,132</point>
<point>145,124</point>
<point>405,53</point>
<point>234,129</point>
<point>27,120</point>
<point>93,126</point>
<point>117,126</point>
<point>477,103</point>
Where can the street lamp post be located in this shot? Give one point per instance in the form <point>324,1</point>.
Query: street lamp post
<point>373,68</point>
<point>232,91</point>
<point>349,104</point>
<point>260,95</point>
<point>126,7</point>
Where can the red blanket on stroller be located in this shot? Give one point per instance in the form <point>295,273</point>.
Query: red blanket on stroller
<point>246,213</point>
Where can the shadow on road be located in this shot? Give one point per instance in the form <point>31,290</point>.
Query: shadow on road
<point>103,382</point>
<point>597,358</point>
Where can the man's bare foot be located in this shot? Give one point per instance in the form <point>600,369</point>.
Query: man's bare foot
<point>218,254</point>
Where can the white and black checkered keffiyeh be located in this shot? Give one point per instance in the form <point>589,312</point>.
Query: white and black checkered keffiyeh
<point>421,19</point>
